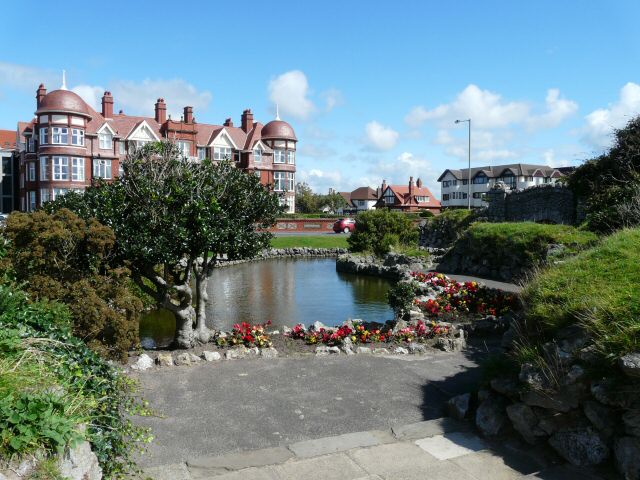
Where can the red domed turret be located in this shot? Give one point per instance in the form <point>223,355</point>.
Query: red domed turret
<point>278,129</point>
<point>63,101</point>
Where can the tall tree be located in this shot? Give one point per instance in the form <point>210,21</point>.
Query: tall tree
<point>306,200</point>
<point>175,221</point>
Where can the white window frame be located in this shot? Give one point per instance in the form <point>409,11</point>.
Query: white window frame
<point>58,192</point>
<point>222,153</point>
<point>279,156</point>
<point>291,182</point>
<point>60,169</point>
<point>100,167</point>
<point>77,137</point>
<point>60,136</point>
<point>32,201</point>
<point>122,147</point>
<point>105,141</point>
<point>389,198</point>
<point>43,136</point>
<point>279,181</point>
<point>77,169</point>
<point>44,169</point>
<point>185,147</point>
<point>32,171</point>
<point>202,153</point>
<point>31,147</point>
<point>422,199</point>
<point>45,196</point>
<point>291,157</point>
<point>257,155</point>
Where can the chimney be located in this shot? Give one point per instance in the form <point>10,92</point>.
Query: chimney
<point>41,92</point>
<point>411,185</point>
<point>419,183</point>
<point>107,105</point>
<point>188,114</point>
<point>247,120</point>
<point>161,111</point>
<point>228,123</point>
<point>384,186</point>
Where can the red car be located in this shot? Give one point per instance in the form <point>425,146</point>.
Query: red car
<point>345,225</point>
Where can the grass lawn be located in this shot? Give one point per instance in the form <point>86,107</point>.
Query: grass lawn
<point>311,241</point>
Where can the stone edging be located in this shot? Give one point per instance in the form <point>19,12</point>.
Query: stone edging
<point>294,252</point>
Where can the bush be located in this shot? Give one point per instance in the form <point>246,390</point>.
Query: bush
<point>51,383</point>
<point>378,231</point>
<point>62,257</point>
<point>426,214</point>
<point>401,296</point>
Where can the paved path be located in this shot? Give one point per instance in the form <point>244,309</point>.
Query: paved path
<point>437,449</point>
<point>507,287</point>
<point>255,403</point>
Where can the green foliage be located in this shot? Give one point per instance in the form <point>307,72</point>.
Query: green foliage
<point>311,241</point>
<point>61,257</point>
<point>610,183</point>
<point>426,214</point>
<point>51,382</point>
<point>312,203</point>
<point>378,231</point>
<point>401,297</point>
<point>599,288</point>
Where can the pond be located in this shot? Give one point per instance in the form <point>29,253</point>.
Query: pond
<point>285,291</point>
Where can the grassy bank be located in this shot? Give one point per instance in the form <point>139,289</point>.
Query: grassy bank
<point>311,241</point>
<point>599,288</point>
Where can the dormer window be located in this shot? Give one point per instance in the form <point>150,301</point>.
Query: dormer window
<point>480,179</point>
<point>222,153</point>
<point>257,155</point>
<point>60,136</point>
<point>77,137</point>
<point>421,199</point>
<point>389,198</point>
<point>106,140</point>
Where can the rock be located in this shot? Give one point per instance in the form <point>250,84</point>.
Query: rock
<point>324,350</point>
<point>483,394</point>
<point>506,386</point>
<point>458,406</point>
<point>509,337</point>
<point>143,363</point>
<point>452,344</point>
<point>525,421</point>
<point>235,353</point>
<point>269,352</point>
<point>184,359</point>
<point>318,325</point>
<point>400,324</point>
<point>381,351</point>
<point>253,351</point>
<point>361,350</point>
<point>575,374</point>
<point>80,463</point>
<point>286,330</point>
<point>164,360</point>
<point>551,422</point>
<point>601,416</point>
<point>334,350</point>
<point>630,364</point>
<point>401,351</point>
<point>415,348</point>
<point>211,356</point>
<point>631,420</point>
<point>194,358</point>
<point>490,417</point>
<point>562,400</point>
<point>627,453</point>
<point>606,392</point>
<point>531,375</point>
<point>581,446</point>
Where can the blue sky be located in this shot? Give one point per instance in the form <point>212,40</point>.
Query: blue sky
<point>372,88</point>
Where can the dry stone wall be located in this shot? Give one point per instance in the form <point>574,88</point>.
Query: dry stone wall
<point>544,203</point>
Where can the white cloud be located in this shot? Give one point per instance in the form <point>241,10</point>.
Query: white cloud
<point>315,151</point>
<point>92,94</point>
<point>381,137</point>
<point>558,110</point>
<point>290,91</point>
<point>333,98</point>
<point>602,122</point>
<point>321,181</point>
<point>486,109</point>
<point>28,78</point>
<point>407,165</point>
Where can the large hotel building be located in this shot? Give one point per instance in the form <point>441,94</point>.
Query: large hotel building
<point>68,144</point>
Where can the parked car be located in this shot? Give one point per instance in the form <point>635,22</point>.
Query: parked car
<point>345,225</point>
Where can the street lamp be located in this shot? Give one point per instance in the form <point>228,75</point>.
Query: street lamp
<point>468,120</point>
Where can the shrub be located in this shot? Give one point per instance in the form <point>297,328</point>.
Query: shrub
<point>426,214</point>
<point>401,296</point>
<point>378,231</point>
<point>62,257</point>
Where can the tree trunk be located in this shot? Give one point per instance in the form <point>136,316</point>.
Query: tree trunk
<point>203,334</point>
<point>185,319</point>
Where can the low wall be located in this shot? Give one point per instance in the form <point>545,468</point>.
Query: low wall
<point>544,203</point>
<point>303,225</point>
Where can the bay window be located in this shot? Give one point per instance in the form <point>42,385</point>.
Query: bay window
<point>32,171</point>
<point>60,168</point>
<point>291,157</point>
<point>44,168</point>
<point>45,195</point>
<point>284,181</point>
<point>278,156</point>
<point>60,136</point>
<point>32,201</point>
<point>77,169</point>
<point>77,137</point>
<point>58,192</point>
<point>222,153</point>
<point>106,141</point>
<point>43,136</point>
<point>102,169</point>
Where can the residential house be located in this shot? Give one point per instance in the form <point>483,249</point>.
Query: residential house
<point>413,197</point>
<point>9,185</point>
<point>360,199</point>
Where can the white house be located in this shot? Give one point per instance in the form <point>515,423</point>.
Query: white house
<point>518,176</point>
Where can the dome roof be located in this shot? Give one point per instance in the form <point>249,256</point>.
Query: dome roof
<point>278,129</point>
<point>63,101</point>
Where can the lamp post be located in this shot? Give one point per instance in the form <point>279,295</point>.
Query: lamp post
<point>468,120</point>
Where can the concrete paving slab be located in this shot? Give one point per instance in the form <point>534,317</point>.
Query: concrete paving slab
<point>253,473</point>
<point>451,445</point>
<point>392,459</point>
<point>328,467</point>
<point>429,428</point>
<point>443,470</point>
<point>340,443</point>
<point>489,466</point>
<point>564,472</point>
<point>167,472</point>
<point>240,460</point>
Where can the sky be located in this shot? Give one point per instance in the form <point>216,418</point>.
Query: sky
<point>371,88</point>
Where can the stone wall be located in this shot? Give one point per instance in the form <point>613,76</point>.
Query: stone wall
<point>544,203</point>
<point>393,266</point>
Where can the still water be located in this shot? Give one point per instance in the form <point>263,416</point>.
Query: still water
<point>285,291</point>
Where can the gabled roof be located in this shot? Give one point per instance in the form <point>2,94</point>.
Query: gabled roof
<point>347,197</point>
<point>401,192</point>
<point>8,140</point>
<point>497,170</point>
<point>364,193</point>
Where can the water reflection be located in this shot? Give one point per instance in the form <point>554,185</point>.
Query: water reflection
<point>285,291</point>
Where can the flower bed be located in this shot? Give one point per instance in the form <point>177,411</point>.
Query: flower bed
<point>452,299</point>
<point>246,334</point>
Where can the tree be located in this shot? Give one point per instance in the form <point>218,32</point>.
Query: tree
<point>378,231</point>
<point>176,220</point>
<point>333,200</point>
<point>61,257</point>
<point>306,200</point>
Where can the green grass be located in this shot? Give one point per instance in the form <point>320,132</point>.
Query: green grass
<point>311,241</point>
<point>599,288</point>
<point>528,238</point>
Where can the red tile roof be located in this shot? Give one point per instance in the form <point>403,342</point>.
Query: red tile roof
<point>364,193</point>
<point>8,139</point>
<point>402,192</point>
